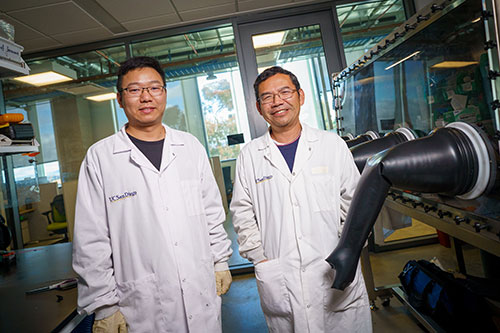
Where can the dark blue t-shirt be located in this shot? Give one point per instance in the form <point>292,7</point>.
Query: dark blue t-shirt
<point>288,151</point>
<point>151,149</point>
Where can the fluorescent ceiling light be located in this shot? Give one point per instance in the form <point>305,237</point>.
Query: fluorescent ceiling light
<point>43,79</point>
<point>404,59</point>
<point>454,64</point>
<point>266,40</point>
<point>48,73</point>
<point>102,97</point>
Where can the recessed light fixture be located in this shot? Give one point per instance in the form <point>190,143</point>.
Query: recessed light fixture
<point>102,97</point>
<point>47,73</point>
<point>266,40</point>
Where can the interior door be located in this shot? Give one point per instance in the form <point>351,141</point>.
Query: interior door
<point>305,44</point>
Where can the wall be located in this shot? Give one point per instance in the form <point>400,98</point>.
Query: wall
<point>71,141</point>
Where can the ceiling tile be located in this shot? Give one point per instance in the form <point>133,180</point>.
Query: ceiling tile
<point>71,23</point>
<point>101,15</point>
<point>6,6</point>
<point>136,10</point>
<point>22,32</point>
<point>83,36</point>
<point>260,4</point>
<point>151,23</point>
<point>53,19</point>
<point>184,5</point>
<point>39,44</point>
<point>211,12</point>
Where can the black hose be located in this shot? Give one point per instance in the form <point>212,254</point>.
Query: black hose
<point>444,162</point>
<point>360,139</point>
<point>363,151</point>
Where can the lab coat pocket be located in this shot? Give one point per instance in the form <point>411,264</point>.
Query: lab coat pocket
<point>192,197</point>
<point>138,302</point>
<point>352,296</point>
<point>274,296</point>
<point>323,198</point>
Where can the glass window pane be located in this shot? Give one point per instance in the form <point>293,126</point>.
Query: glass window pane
<point>121,118</point>
<point>45,126</point>
<point>219,113</point>
<point>300,50</point>
<point>433,78</point>
<point>65,123</point>
<point>204,90</point>
<point>364,24</point>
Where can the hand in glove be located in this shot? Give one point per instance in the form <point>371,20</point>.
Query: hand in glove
<point>112,324</point>
<point>223,281</point>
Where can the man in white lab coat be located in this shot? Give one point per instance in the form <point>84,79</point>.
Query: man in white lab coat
<point>149,233</point>
<point>292,190</point>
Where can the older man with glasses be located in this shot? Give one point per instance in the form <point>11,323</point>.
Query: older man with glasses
<point>149,234</point>
<point>292,190</point>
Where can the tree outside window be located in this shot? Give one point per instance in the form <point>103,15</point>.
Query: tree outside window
<point>219,115</point>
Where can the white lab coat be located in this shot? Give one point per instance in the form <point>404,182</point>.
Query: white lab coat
<point>147,242</point>
<point>293,219</point>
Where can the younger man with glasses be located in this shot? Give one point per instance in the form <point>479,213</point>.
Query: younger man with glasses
<point>292,190</point>
<point>149,221</point>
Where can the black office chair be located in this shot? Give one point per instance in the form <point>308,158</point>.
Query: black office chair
<point>56,217</point>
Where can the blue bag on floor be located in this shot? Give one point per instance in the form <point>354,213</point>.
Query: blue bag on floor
<point>457,305</point>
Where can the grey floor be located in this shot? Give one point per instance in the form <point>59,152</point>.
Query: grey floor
<point>241,310</point>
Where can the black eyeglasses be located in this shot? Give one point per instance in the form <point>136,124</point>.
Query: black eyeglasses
<point>135,91</point>
<point>284,94</point>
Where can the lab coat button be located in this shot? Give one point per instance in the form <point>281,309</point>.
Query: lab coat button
<point>175,243</point>
<point>303,269</point>
<point>300,237</point>
<point>293,173</point>
<point>190,317</point>
<point>308,306</point>
<point>184,280</point>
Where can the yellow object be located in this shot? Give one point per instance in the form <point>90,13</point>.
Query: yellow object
<point>56,217</point>
<point>11,118</point>
<point>223,280</point>
<point>113,324</point>
<point>56,226</point>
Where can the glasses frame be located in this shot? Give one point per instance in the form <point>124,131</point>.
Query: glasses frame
<point>279,95</point>
<point>163,89</point>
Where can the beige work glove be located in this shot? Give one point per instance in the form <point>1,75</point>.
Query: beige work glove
<point>223,281</point>
<point>112,324</point>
